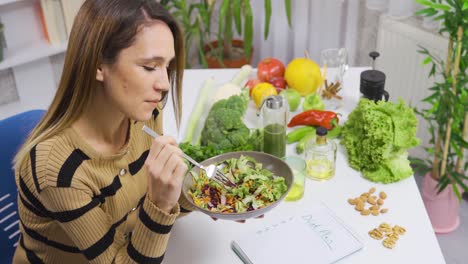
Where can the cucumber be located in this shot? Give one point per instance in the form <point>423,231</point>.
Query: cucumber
<point>302,143</point>
<point>299,133</point>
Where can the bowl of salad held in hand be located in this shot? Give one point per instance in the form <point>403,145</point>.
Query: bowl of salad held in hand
<point>261,182</point>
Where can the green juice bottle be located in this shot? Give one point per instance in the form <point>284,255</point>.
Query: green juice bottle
<point>274,140</point>
<point>274,111</point>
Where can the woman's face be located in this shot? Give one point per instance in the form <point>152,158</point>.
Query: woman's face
<point>135,83</point>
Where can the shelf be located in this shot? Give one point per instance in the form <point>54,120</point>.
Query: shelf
<point>4,2</point>
<point>22,55</point>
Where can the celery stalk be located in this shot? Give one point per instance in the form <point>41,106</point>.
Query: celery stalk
<point>242,75</point>
<point>198,110</point>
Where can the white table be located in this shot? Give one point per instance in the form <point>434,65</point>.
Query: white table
<point>197,239</point>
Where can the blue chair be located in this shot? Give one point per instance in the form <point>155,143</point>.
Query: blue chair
<point>13,132</point>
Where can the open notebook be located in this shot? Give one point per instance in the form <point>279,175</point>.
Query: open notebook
<point>315,236</point>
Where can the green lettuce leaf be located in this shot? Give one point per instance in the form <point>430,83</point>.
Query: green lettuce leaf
<point>376,137</point>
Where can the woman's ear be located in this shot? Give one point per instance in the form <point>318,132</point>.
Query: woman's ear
<point>100,74</point>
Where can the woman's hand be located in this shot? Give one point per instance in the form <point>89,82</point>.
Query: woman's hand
<point>166,170</point>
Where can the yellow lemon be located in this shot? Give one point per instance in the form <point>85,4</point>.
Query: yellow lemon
<point>303,75</point>
<point>261,91</point>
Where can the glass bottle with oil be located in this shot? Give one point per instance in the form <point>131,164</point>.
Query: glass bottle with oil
<point>320,156</point>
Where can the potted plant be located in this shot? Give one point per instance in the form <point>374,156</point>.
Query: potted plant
<point>197,18</point>
<point>447,116</point>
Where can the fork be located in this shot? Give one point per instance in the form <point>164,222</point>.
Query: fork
<point>211,171</point>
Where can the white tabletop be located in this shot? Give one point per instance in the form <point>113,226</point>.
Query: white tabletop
<point>197,239</point>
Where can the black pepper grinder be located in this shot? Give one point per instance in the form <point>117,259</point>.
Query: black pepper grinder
<point>373,82</point>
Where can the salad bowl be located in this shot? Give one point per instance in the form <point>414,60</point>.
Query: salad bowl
<point>265,163</point>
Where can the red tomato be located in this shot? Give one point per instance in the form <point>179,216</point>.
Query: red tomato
<point>278,82</point>
<point>251,84</point>
<point>269,68</point>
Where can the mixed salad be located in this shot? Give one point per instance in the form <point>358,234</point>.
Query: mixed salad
<point>255,188</point>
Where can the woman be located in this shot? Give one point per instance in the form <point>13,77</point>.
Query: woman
<point>92,186</point>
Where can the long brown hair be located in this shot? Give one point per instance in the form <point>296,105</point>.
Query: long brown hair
<point>102,28</point>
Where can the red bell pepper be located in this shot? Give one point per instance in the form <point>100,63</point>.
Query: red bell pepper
<point>326,119</point>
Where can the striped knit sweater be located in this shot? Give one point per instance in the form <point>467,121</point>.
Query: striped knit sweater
<point>78,206</point>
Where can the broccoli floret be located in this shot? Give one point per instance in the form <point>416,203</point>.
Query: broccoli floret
<point>236,103</point>
<point>224,128</point>
<point>240,137</point>
<point>218,105</point>
<point>227,119</point>
<point>212,137</point>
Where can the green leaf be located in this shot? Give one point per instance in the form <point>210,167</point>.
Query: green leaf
<point>201,56</point>
<point>450,2</point>
<point>458,180</point>
<point>460,175</point>
<point>465,6</point>
<point>433,70</point>
<point>287,5</point>
<point>441,7</point>
<point>460,141</point>
<point>420,165</point>
<point>443,182</point>
<point>223,11</point>
<point>267,18</point>
<point>237,15</point>
<point>439,17</point>
<point>456,149</point>
<point>228,26</point>
<point>457,192</point>
<point>427,12</point>
<point>431,97</point>
<point>423,50</point>
<point>417,161</point>
<point>248,28</point>
<point>425,2</point>
<point>191,8</point>
<point>427,60</point>
<point>164,2</point>
<point>222,16</point>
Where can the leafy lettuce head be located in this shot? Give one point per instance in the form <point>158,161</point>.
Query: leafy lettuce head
<point>377,136</point>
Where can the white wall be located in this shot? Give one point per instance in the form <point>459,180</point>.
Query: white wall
<point>34,82</point>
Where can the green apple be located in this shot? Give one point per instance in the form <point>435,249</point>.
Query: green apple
<point>293,97</point>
